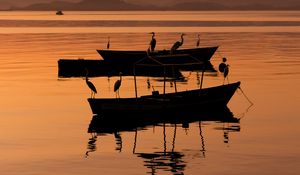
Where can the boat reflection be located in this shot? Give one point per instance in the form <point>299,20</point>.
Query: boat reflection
<point>168,160</point>
<point>98,68</point>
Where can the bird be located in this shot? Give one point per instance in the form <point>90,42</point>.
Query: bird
<point>222,65</point>
<point>152,42</point>
<point>117,85</point>
<point>177,44</point>
<point>91,86</point>
<point>198,41</point>
<point>226,72</point>
<point>108,43</point>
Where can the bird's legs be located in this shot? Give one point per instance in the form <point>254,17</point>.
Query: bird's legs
<point>225,79</point>
<point>92,94</point>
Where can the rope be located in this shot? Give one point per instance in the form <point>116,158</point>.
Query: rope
<point>245,96</point>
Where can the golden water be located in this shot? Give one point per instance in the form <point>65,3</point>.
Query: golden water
<point>44,118</point>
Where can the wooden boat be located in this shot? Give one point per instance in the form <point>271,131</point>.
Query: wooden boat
<point>166,103</point>
<point>128,57</point>
<point>59,12</point>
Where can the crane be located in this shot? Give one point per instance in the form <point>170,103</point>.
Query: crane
<point>152,42</point>
<point>117,85</point>
<point>177,44</point>
<point>90,85</point>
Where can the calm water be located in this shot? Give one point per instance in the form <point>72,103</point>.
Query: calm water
<point>44,119</point>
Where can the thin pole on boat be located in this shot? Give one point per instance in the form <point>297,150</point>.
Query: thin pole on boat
<point>164,80</point>
<point>174,76</point>
<point>202,75</point>
<point>135,86</point>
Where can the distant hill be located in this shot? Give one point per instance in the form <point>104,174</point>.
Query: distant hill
<point>83,5</point>
<point>99,5</point>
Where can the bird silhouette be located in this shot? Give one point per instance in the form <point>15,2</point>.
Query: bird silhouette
<point>152,42</point>
<point>177,44</point>
<point>198,41</point>
<point>90,85</point>
<point>108,43</point>
<point>222,65</point>
<point>117,86</point>
<point>226,72</point>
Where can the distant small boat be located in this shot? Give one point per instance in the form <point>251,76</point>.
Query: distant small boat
<point>59,12</point>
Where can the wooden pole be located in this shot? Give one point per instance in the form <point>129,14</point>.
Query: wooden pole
<point>164,80</point>
<point>174,78</point>
<point>135,86</point>
<point>202,75</point>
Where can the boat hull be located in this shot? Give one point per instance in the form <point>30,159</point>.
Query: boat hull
<point>179,102</point>
<point>129,57</point>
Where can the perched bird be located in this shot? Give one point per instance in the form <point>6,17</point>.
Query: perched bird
<point>117,86</point>
<point>177,44</point>
<point>108,43</point>
<point>226,72</point>
<point>222,65</point>
<point>91,86</point>
<point>198,41</point>
<point>152,42</point>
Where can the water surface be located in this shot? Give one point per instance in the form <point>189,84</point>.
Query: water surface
<point>45,119</point>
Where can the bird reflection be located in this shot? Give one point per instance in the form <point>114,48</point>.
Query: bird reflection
<point>91,147</point>
<point>118,141</point>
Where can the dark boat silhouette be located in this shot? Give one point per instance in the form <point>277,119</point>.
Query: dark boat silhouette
<point>165,103</point>
<point>203,54</point>
<point>59,12</point>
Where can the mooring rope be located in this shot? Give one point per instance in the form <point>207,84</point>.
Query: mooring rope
<point>245,96</point>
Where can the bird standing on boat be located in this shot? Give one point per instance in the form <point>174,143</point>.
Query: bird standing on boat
<point>108,43</point>
<point>198,41</point>
<point>177,44</point>
<point>224,68</point>
<point>90,85</point>
<point>152,42</point>
<point>117,86</point>
<point>226,72</point>
<point>222,65</point>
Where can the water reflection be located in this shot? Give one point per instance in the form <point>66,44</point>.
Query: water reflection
<point>170,160</point>
<point>97,68</point>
